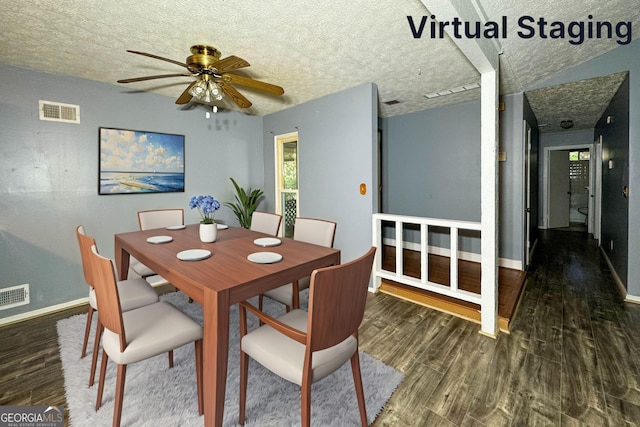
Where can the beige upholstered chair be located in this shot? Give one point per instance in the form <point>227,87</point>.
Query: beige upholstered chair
<point>148,220</point>
<point>160,218</point>
<point>266,222</point>
<point>310,230</point>
<point>305,347</point>
<point>138,334</point>
<point>134,293</point>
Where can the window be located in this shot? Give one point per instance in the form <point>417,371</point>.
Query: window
<point>578,155</point>
<point>287,180</point>
<point>579,184</point>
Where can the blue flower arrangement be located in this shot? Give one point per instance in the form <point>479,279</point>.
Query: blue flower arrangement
<point>207,206</point>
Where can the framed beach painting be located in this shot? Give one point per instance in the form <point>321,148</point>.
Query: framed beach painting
<point>136,162</point>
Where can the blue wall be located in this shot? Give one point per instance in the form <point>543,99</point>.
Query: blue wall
<point>431,163</point>
<point>337,152</point>
<point>50,171</point>
<point>49,174</point>
<point>431,168</point>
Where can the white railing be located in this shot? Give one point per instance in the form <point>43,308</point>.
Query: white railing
<point>379,273</point>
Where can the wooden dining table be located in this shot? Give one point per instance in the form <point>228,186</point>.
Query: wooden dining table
<point>225,278</point>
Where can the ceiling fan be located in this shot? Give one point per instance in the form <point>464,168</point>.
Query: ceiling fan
<point>213,80</point>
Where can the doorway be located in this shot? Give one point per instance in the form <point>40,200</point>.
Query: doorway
<point>569,176</point>
<point>287,196</point>
<point>579,186</point>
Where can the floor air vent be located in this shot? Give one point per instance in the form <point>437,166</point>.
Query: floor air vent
<point>58,112</point>
<point>14,296</point>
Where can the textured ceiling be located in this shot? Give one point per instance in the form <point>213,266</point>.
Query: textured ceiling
<point>582,102</point>
<point>311,49</point>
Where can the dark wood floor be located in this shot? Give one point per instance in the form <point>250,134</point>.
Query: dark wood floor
<point>571,358</point>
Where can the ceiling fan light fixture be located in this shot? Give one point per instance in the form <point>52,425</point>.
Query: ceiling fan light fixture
<point>566,124</point>
<point>213,79</point>
<point>206,91</point>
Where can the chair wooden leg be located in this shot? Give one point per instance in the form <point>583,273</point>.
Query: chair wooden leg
<point>244,365</point>
<point>244,371</point>
<point>305,394</point>
<point>117,408</point>
<point>199,369</point>
<point>103,371</point>
<point>357,381</point>
<point>96,350</point>
<point>87,329</point>
<point>170,354</point>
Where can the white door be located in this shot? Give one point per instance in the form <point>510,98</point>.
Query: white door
<point>559,189</point>
<point>527,193</point>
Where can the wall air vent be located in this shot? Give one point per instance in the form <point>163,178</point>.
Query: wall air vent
<point>59,112</point>
<point>14,296</point>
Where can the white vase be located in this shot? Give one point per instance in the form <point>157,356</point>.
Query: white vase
<point>208,233</point>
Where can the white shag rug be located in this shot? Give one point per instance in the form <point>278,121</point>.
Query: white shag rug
<point>158,396</point>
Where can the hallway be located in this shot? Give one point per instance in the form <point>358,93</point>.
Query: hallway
<point>571,358</point>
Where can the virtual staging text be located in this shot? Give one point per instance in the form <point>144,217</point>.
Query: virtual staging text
<point>527,27</point>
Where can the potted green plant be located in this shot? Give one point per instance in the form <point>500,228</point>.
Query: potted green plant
<point>245,204</point>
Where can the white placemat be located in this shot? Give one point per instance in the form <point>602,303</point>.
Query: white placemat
<point>176,227</point>
<point>193,254</point>
<point>264,257</point>
<point>159,239</point>
<point>267,241</point>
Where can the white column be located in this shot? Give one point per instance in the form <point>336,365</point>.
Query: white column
<point>489,202</point>
<point>484,55</point>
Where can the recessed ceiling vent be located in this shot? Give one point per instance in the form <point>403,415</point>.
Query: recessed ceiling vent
<point>453,90</point>
<point>59,112</point>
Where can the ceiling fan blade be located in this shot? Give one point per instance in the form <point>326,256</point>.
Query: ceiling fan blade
<point>255,84</point>
<point>160,76</point>
<point>230,63</point>
<point>150,55</point>
<point>185,97</point>
<point>236,96</point>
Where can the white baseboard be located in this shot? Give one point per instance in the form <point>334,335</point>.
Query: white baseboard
<point>466,256</point>
<point>621,289</point>
<point>632,298</point>
<point>42,311</point>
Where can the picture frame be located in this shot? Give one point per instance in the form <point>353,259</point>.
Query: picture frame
<point>139,162</point>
